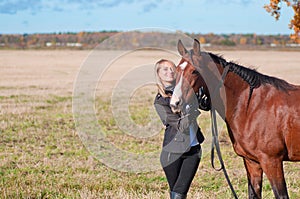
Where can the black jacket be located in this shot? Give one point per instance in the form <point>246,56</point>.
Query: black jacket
<point>177,133</point>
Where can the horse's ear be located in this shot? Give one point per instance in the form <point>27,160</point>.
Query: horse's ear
<point>196,47</point>
<point>181,49</point>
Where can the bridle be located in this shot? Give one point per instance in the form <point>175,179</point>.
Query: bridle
<point>215,140</point>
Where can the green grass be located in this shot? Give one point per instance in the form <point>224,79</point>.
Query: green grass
<point>42,156</point>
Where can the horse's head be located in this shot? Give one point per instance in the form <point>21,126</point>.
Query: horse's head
<point>188,78</point>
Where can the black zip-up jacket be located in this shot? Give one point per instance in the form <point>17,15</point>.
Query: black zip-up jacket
<point>177,132</point>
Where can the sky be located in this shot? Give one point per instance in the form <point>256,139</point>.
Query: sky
<point>191,16</point>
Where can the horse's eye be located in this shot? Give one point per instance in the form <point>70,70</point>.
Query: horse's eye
<point>195,72</point>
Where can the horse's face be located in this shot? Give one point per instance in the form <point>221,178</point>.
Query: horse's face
<point>188,79</point>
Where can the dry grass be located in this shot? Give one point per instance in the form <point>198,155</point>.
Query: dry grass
<point>42,156</point>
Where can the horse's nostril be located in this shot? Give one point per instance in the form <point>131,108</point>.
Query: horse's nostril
<point>175,104</point>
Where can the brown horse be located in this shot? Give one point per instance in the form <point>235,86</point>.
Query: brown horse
<point>262,113</point>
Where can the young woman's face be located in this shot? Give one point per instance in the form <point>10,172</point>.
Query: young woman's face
<point>167,74</point>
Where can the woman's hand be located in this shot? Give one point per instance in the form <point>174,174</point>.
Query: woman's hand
<point>188,117</point>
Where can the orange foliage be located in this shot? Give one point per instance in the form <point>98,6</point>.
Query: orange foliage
<point>274,9</point>
<point>243,40</point>
<point>202,40</point>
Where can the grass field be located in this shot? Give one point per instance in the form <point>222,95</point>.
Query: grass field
<point>42,155</point>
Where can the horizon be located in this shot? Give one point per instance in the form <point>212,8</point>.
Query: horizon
<point>116,31</point>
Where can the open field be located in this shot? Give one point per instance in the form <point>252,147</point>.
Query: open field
<point>43,156</point>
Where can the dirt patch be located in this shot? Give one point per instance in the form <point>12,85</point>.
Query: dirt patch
<point>54,72</point>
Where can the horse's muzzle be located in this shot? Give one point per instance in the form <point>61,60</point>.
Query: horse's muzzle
<point>176,104</point>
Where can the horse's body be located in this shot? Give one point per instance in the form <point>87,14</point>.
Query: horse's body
<point>262,115</point>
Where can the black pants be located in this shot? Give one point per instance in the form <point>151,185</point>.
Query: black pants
<point>182,170</point>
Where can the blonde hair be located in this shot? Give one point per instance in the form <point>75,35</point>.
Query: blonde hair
<point>159,84</point>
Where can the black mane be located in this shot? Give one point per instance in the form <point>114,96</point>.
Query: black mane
<point>251,76</point>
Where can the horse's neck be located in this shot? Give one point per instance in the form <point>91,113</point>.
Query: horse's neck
<point>232,88</point>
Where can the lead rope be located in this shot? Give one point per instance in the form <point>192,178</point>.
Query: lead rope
<point>215,139</point>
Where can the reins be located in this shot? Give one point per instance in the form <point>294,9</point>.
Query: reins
<point>215,139</point>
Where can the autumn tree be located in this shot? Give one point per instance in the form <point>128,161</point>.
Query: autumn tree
<point>274,8</point>
<point>243,40</point>
<point>202,40</point>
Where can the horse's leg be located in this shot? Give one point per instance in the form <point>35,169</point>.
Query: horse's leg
<point>273,168</point>
<point>254,174</point>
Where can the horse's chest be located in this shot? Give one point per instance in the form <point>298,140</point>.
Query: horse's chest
<point>244,144</point>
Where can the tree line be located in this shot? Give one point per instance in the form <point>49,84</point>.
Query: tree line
<point>89,40</point>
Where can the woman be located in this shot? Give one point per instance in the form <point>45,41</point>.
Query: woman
<point>181,153</point>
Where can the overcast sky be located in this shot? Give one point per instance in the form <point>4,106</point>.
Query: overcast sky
<point>193,16</point>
